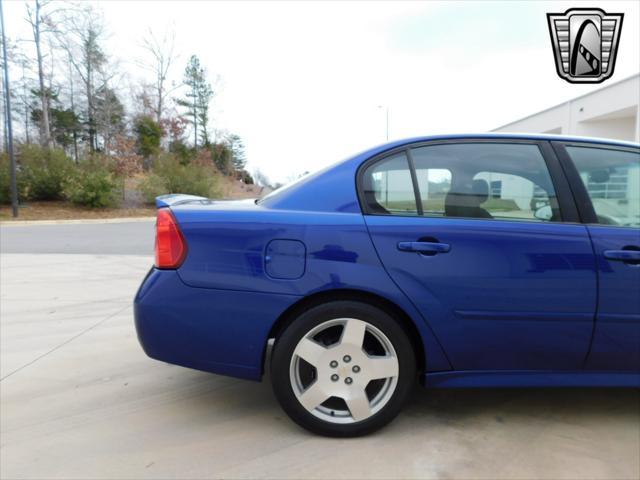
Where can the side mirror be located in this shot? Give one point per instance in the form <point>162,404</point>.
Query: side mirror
<point>543,213</point>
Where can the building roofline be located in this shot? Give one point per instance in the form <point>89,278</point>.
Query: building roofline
<point>571,100</point>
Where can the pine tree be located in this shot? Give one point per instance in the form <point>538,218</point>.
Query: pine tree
<point>237,150</point>
<point>197,99</point>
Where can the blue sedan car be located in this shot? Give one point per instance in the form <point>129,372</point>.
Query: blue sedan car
<point>450,261</point>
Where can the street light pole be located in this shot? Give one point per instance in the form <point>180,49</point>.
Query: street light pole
<point>387,122</point>
<point>386,119</point>
<point>7,103</point>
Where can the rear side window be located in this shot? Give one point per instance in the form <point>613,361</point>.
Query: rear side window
<point>612,180</point>
<point>387,187</point>
<point>469,180</point>
<point>491,180</point>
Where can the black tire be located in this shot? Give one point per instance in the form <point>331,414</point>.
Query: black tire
<point>301,326</point>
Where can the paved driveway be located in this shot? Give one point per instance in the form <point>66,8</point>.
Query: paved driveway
<point>79,399</point>
<point>125,238</point>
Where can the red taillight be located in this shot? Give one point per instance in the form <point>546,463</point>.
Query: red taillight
<point>171,247</point>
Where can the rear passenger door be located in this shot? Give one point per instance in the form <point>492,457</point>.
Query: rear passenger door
<point>606,181</point>
<point>483,238</point>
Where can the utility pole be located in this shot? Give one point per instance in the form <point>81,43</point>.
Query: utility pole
<point>387,122</point>
<point>7,103</point>
<point>386,110</point>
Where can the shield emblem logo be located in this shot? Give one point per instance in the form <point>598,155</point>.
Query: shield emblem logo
<point>585,43</point>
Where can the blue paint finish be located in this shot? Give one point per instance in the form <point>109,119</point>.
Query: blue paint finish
<point>285,259</point>
<point>220,331</point>
<point>531,378</point>
<point>524,316</point>
<point>508,295</point>
<point>340,256</point>
<point>616,340</point>
<point>511,303</point>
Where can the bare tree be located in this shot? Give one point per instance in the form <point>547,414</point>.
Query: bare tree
<point>22,88</point>
<point>73,106</point>
<point>260,178</point>
<point>14,57</point>
<point>161,56</point>
<point>109,116</point>
<point>41,23</point>
<point>81,34</point>
<point>25,98</point>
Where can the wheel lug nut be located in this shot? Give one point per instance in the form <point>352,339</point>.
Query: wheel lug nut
<point>348,381</point>
<point>333,364</point>
<point>335,377</point>
<point>346,358</point>
<point>355,369</point>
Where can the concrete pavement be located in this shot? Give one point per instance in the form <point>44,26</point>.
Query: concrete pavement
<point>125,238</point>
<point>79,399</point>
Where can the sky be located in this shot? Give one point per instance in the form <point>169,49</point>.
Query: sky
<point>308,83</point>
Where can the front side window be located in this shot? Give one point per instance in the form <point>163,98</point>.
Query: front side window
<point>612,180</point>
<point>485,180</point>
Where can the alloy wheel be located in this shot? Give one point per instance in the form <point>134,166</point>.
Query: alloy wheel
<point>344,370</point>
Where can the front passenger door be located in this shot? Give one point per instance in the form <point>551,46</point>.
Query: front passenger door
<point>609,182</point>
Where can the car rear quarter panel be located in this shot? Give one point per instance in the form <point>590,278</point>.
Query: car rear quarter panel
<point>227,250</point>
<point>228,302</point>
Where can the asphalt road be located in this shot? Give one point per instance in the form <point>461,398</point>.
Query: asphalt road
<point>79,398</point>
<point>127,238</point>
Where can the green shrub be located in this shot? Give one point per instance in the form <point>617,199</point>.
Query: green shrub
<point>183,152</point>
<point>92,186</point>
<point>98,161</point>
<point>168,175</point>
<point>222,157</point>
<point>151,187</point>
<point>43,172</point>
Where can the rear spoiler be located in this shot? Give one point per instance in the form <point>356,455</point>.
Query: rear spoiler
<point>173,199</point>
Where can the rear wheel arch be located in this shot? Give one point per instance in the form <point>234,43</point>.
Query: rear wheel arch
<point>319,298</point>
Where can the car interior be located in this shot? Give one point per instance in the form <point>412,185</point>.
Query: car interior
<point>465,199</point>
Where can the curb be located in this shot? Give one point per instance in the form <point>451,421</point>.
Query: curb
<point>81,221</point>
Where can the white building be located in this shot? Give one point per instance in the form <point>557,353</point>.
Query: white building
<point>609,112</point>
